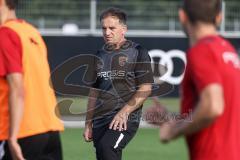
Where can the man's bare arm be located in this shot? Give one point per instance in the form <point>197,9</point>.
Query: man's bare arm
<point>209,107</point>
<point>120,120</point>
<point>91,105</point>
<point>89,116</point>
<point>16,107</point>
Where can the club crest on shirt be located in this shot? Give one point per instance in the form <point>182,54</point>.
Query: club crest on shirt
<point>122,60</point>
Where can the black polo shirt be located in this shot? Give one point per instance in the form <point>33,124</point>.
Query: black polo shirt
<point>118,74</point>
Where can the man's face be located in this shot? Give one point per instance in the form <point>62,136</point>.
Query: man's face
<point>113,30</point>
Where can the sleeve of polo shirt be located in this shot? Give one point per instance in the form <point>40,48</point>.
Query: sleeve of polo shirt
<point>143,69</point>
<point>10,52</point>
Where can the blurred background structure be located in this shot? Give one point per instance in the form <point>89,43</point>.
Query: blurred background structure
<point>152,17</point>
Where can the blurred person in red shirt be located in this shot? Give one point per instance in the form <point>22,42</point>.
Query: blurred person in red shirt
<point>210,88</point>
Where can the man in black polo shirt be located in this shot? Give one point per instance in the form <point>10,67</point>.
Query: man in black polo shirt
<point>123,81</point>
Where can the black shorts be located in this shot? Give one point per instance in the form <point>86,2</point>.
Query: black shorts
<point>46,146</point>
<point>109,143</point>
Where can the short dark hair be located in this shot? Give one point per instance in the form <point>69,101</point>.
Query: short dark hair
<point>202,10</point>
<point>115,12</point>
<point>12,4</point>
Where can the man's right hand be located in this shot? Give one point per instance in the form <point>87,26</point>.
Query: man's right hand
<point>88,133</point>
<point>15,150</point>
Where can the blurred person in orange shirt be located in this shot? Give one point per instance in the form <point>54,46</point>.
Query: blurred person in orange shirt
<point>29,126</point>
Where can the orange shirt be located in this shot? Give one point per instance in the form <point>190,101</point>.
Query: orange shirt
<point>40,114</point>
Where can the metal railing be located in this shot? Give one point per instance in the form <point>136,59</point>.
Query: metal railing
<point>144,17</point>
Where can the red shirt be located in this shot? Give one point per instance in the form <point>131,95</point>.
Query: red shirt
<point>10,52</point>
<point>214,60</point>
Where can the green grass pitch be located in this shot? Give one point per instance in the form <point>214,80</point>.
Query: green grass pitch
<point>144,146</point>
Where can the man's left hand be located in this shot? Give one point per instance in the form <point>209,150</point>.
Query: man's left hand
<point>119,122</point>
